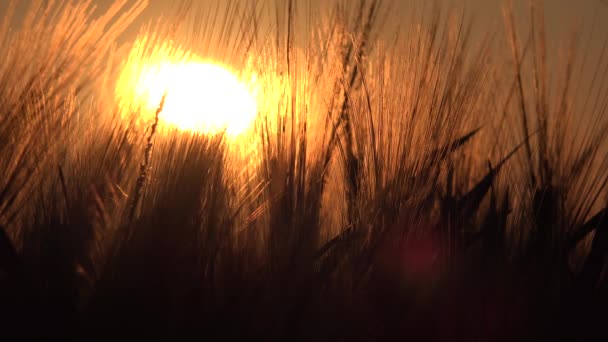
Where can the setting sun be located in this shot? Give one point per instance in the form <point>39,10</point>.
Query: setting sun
<point>200,96</point>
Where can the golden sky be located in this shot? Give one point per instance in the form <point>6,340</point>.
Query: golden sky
<point>560,14</point>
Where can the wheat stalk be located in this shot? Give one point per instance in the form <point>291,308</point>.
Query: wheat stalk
<point>145,165</point>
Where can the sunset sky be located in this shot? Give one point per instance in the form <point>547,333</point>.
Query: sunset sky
<point>589,18</point>
<point>561,15</point>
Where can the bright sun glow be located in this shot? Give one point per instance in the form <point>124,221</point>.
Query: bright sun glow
<point>200,97</point>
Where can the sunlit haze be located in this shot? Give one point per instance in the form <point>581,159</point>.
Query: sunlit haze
<point>200,96</point>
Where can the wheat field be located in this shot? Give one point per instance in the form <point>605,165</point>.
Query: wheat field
<point>434,181</point>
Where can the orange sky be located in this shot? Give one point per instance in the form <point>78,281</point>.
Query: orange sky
<point>560,14</point>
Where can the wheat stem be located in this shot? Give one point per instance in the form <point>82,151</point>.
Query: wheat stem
<point>144,167</point>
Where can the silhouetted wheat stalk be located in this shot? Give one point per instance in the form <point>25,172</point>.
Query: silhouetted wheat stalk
<point>145,165</point>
